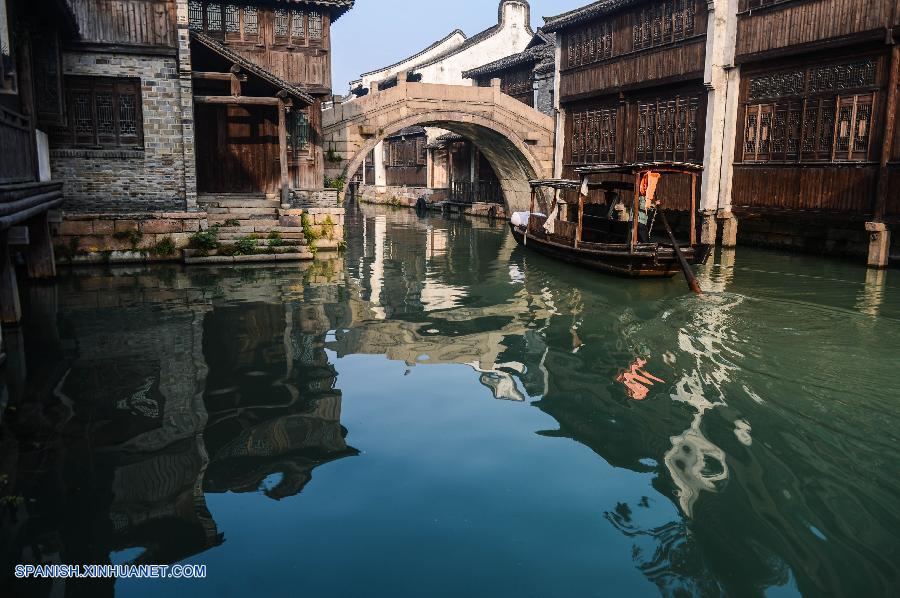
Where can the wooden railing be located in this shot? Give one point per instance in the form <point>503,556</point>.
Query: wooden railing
<point>479,191</point>
<point>17,157</point>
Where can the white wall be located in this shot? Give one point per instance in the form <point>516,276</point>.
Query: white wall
<point>514,35</point>
<point>454,40</point>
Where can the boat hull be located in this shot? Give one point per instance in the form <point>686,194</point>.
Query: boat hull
<point>649,261</point>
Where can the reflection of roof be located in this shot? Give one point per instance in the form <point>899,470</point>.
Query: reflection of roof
<point>585,13</point>
<point>250,66</point>
<point>542,46</point>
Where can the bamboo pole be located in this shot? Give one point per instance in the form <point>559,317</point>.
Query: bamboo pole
<point>693,210</point>
<point>282,149</point>
<point>580,211</point>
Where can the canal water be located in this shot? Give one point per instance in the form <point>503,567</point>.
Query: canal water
<point>441,413</point>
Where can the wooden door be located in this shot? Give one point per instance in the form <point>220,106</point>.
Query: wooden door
<point>237,149</point>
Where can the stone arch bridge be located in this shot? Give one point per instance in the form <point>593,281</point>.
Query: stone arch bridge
<point>516,139</point>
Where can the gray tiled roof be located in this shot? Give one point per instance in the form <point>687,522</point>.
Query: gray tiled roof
<point>585,13</point>
<point>542,47</point>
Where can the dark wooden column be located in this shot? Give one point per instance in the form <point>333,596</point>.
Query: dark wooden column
<point>10,307</point>
<point>282,150</point>
<point>39,257</point>
<point>890,123</point>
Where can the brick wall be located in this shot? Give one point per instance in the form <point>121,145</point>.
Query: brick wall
<point>152,179</point>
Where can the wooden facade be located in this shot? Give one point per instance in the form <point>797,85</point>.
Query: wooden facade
<point>515,81</point>
<point>815,130</point>
<point>816,109</point>
<point>291,40</point>
<point>145,23</point>
<point>257,50</point>
<point>405,158</point>
<point>631,89</point>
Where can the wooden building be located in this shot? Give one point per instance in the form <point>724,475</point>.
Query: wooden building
<point>405,158</point>
<point>788,104</point>
<point>30,101</point>
<point>261,70</point>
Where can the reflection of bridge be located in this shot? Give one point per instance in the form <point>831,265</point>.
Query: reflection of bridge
<point>516,139</point>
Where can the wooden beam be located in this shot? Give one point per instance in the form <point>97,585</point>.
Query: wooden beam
<point>282,148</point>
<point>693,210</point>
<point>235,84</point>
<point>213,76</point>
<point>890,124</point>
<point>248,100</point>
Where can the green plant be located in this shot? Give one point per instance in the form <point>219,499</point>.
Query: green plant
<point>205,240</point>
<point>342,245</point>
<point>231,222</point>
<point>309,232</point>
<point>328,227</point>
<point>245,245</point>
<point>164,247</point>
<point>275,239</point>
<point>331,156</point>
<point>133,237</point>
<point>337,183</point>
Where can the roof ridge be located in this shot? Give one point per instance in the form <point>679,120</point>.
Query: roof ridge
<point>419,53</point>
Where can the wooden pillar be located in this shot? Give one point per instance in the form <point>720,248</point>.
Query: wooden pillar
<point>581,196</point>
<point>693,210</point>
<point>39,257</point>
<point>890,123</point>
<point>10,307</point>
<point>282,151</point>
<point>634,211</point>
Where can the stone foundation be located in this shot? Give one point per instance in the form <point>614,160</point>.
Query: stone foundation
<point>89,238</point>
<point>848,239</point>
<point>315,198</point>
<point>408,196</point>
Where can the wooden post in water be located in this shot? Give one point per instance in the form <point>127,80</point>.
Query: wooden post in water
<point>890,124</point>
<point>581,197</point>
<point>693,210</point>
<point>10,306</point>
<point>634,210</point>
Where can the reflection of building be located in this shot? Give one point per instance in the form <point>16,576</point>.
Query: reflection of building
<point>119,433</point>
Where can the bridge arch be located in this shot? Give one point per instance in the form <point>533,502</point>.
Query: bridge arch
<point>516,139</point>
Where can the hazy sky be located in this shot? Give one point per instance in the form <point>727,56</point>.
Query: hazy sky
<point>376,33</point>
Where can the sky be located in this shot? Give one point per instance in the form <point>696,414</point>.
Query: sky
<point>377,33</point>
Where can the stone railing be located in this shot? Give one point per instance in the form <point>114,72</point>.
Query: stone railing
<point>314,198</point>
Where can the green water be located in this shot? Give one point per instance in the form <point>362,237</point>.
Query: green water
<point>441,413</point>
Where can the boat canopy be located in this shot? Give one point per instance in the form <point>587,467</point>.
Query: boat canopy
<point>638,167</point>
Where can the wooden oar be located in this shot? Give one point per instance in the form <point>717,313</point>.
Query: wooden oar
<point>685,267</point>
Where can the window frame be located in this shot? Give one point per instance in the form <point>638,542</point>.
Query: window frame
<point>594,144</point>
<point>116,87</point>
<point>809,113</point>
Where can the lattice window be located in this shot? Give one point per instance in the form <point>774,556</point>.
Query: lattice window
<point>297,30</point>
<point>214,17</point>
<point>281,23</point>
<point>592,44</point>
<point>811,119</point>
<point>251,20</point>
<point>315,24</point>
<point>663,23</point>
<point>297,126</point>
<point>668,129</point>
<point>594,135</point>
<point>195,15</point>
<point>232,19</point>
<point>105,113</point>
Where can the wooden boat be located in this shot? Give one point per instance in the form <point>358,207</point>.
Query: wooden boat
<point>600,243</point>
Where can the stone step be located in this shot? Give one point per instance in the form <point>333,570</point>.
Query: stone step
<point>279,249</point>
<point>248,213</point>
<point>240,203</point>
<point>265,242</point>
<point>261,235</point>
<point>257,224</point>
